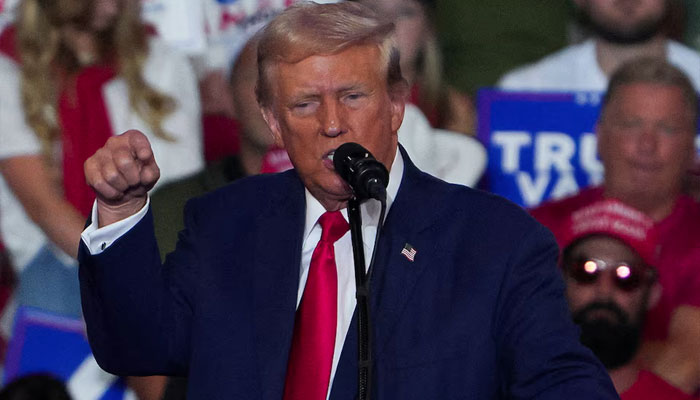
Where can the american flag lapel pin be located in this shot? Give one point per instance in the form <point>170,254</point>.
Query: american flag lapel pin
<point>409,252</point>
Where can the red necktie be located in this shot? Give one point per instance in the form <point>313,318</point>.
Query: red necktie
<point>311,356</point>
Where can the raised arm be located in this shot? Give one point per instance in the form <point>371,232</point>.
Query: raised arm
<point>129,300</point>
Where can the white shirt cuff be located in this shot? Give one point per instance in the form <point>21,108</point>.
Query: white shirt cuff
<point>98,239</point>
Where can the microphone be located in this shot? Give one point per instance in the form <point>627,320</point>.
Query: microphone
<point>366,176</point>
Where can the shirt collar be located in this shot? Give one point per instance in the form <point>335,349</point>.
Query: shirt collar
<point>371,207</point>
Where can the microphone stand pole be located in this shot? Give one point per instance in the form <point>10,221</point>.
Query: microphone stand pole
<point>364,344</point>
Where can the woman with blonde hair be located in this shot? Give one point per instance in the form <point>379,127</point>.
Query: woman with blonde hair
<point>73,73</point>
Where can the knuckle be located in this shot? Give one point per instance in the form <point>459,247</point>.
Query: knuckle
<point>111,142</point>
<point>124,161</point>
<point>111,176</point>
<point>88,166</point>
<point>100,153</point>
<point>150,175</point>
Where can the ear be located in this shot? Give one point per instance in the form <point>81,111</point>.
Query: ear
<point>654,295</point>
<point>274,125</point>
<point>398,106</point>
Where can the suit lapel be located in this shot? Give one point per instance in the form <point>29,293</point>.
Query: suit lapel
<point>395,275</point>
<point>277,257</point>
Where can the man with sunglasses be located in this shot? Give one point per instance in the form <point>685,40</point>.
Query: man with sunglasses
<point>608,263</point>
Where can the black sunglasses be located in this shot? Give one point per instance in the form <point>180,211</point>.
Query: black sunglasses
<point>626,276</point>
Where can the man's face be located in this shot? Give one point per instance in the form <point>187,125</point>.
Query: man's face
<point>624,21</point>
<point>611,318</point>
<point>612,252</point>
<point>645,140</point>
<point>324,101</point>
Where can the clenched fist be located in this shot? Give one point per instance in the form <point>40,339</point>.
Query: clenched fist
<point>121,173</point>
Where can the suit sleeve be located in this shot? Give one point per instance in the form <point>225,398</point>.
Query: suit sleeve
<point>539,348</point>
<point>138,312</point>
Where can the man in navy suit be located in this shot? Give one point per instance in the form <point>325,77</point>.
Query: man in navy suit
<point>465,295</point>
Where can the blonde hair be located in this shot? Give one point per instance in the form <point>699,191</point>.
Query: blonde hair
<point>307,29</point>
<point>45,60</point>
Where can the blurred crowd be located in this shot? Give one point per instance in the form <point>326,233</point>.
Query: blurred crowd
<point>74,72</point>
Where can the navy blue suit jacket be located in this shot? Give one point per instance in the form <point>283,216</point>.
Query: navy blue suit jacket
<point>479,313</point>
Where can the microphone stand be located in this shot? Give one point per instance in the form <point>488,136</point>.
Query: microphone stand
<point>362,294</point>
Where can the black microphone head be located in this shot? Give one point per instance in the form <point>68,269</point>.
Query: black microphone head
<point>358,167</point>
<point>345,157</point>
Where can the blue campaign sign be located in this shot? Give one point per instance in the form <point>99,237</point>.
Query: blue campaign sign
<point>48,343</point>
<point>540,146</point>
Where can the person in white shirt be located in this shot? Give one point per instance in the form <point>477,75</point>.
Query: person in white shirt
<point>621,31</point>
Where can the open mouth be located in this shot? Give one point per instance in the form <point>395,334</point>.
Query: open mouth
<point>328,159</point>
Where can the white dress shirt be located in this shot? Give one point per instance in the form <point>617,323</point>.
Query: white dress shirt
<point>98,239</point>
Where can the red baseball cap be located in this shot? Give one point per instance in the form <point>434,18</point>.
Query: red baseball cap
<point>615,219</point>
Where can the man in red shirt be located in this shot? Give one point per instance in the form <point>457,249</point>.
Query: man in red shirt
<point>646,135</point>
<point>608,258</point>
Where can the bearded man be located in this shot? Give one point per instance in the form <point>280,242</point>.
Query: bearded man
<point>621,31</point>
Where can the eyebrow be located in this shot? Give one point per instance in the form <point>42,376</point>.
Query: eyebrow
<point>305,94</point>
<point>350,88</point>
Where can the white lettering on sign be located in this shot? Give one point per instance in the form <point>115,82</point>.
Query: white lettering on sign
<point>566,185</point>
<point>532,191</point>
<point>554,149</point>
<point>552,152</point>
<point>511,142</point>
